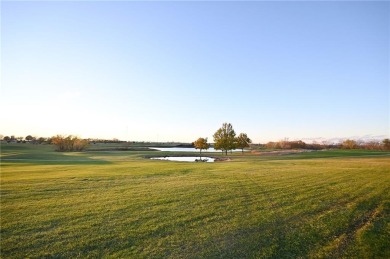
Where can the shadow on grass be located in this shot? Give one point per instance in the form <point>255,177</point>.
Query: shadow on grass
<point>50,160</point>
<point>44,155</point>
<point>5,162</point>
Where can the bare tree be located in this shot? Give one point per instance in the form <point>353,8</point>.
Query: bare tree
<point>69,143</point>
<point>349,144</point>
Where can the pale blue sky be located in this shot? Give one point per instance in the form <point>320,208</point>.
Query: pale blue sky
<point>175,71</point>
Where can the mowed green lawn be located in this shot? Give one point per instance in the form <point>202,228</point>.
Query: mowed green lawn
<point>331,204</point>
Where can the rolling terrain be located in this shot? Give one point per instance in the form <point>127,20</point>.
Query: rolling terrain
<point>119,204</point>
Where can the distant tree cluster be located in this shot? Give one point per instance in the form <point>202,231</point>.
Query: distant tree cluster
<point>27,139</point>
<point>36,140</point>
<point>346,144</point>
<point>69,143</point>
<point>368,145</point>
<point>105,141</point>
<point>225,140</point>
<point>286,144</point>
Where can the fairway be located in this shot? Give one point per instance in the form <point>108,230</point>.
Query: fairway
<point>325,204</point>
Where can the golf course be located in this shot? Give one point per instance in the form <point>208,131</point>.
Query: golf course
<point>122,204</point>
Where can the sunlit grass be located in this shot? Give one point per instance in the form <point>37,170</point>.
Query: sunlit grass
<point>129,206</point>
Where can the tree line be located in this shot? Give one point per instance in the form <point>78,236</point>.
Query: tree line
<point>62,143</point>
<point>27,139</point>
<point>225,139</point>
<point>345,144</point>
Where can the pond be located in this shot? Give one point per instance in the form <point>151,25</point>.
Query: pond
<point>186,158</point>
<point>188,149</point>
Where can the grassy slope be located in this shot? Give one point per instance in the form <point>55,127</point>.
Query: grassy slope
<point>117,204</point>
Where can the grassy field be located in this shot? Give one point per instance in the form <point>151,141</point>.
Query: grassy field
<point>118,204</point>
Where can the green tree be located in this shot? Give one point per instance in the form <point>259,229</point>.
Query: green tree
<point>224,138</point>
<point>29,138</point>
<point>7,138</point>
<point>41,140</point>
<point>242,141</point>
<point>201,143</point>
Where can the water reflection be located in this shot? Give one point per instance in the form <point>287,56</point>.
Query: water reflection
<point>188,149</point>
<point>186,159</point>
